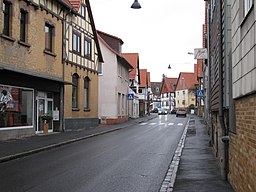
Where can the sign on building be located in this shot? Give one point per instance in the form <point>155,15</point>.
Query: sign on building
<point>200,53</point>
<point>130,96</point>
<point>200,93</point>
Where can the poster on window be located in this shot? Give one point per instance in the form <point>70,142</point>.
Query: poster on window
<point>16,106</point>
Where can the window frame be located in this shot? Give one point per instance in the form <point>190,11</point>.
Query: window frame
<point>86,93</point>
<point>75,84</point>
<point>76,37</point>
<point>83,10</point>
<point>7,18</point>
<point>23,25</point>
<point>49,42</point>
<point>87,47</point>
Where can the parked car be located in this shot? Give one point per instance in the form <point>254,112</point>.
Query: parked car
<point>173,111</point>
<point>162,112</point>
<point>155,110</point>
<point>181,112</point>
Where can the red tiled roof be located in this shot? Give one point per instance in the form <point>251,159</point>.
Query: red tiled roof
<point>186,81</point>
<point>168,85</point>
<point>120,55</point>
<point>115,37</point>
<point>75,3</point>
<point>133,59</point>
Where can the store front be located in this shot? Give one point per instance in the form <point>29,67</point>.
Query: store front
<point>24,100</point>
<point>16,107</point>
<point>44,107</point>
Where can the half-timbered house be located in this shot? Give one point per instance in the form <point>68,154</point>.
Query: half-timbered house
<point>82,59</point>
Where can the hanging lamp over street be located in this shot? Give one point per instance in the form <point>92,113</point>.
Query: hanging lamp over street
<point>136,5</point>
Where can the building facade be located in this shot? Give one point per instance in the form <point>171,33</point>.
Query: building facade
<point>31,67</point>
<point>113,83</point>
<point>81,60</point>
<point>185,91</point>
<point>242,145</point>
<point>167,93</point>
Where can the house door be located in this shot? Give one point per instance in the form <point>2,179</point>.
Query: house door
<point>44,106</point>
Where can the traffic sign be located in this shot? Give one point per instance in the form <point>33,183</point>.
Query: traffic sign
<point>200,93</point>
<point>130,96</point>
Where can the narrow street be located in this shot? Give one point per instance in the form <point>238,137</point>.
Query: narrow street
<point>131,159</point>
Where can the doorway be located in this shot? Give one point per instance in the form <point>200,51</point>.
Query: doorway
<point>44,105</point>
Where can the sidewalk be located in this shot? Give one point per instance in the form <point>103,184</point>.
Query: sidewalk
<point>198,168</point>
<point>16,148</point>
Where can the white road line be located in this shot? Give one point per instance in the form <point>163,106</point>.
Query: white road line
<point>161,123</point>
<point>143,123</point>
<point>180,124</point>
<point>152,123</point>
<point>170,123</point>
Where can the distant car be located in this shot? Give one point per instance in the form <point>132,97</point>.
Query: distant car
<point>181,112</point>
<point>162,112</point>
<point>173,111</point>
<point>155,110</point>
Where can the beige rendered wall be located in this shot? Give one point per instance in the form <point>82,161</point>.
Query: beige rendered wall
<point>93,93</point>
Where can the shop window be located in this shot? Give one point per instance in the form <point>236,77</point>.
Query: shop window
<point>16,107</point>
<point>75,91</point>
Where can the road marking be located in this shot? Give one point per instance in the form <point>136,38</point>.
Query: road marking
<point>152,123</point>
<point>161,123</point>
<point>180,124</point>
<point>170,123</point>
<point>143,123</point>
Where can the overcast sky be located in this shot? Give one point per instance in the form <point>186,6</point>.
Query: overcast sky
<point>162,31</point>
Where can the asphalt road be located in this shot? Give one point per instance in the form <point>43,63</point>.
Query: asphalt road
<point>134,159</point>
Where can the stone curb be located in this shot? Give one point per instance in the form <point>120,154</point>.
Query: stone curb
<point>170,177</point>
<point>27,153</point>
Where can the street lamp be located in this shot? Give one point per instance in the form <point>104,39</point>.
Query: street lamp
<point>135,5</point>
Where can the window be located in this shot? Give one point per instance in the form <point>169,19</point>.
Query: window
<point>76,42</point>
<point>83,11</point>
<point>86,93</point>
<point>7,18</point>
<point>49,29</point>
<point>75,91</point>
<point>87,47</point>
<point>17,103</point>
<point>100,68</point>
<point>247,6</point>
<point>23,22</point>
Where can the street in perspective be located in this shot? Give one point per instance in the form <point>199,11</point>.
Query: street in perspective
<point>127,96</point>
<point>134,158</point>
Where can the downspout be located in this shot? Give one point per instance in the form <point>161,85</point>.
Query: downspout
<point>224,138</point>
<point>64,58</point>
<point>209,77</point>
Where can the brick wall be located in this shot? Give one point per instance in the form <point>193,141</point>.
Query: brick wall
<point>242,151</point>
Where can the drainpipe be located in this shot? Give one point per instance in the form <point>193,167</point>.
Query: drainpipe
<point>209,77</point>
<point>64,58</point>
<point>224,138</point>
